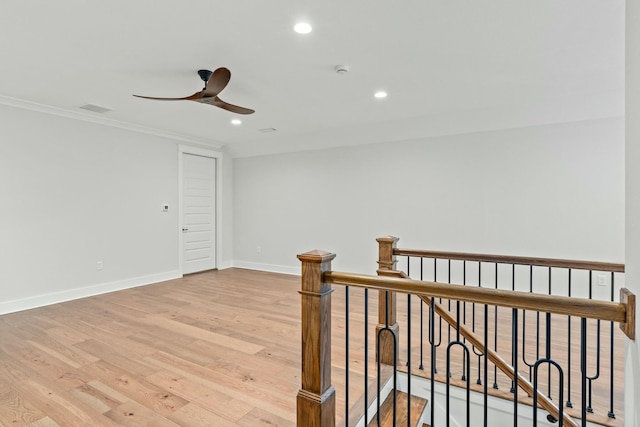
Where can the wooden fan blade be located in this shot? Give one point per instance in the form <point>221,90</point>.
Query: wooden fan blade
<point>226,106</point>
<point>193,97</point>
<point>218,81</point>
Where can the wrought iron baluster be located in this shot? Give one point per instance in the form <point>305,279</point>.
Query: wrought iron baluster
<point>421,367</point>
<point>495,332</point>
<point>569,352</point>
<point>611,413</point>
<point>467,369</point>
<point>432,330</point>
<point>464,317</point>
<point>583,370</point>
<point>433,357</point>
<point>346,352</point>
<point>395,362</point>
<point>591,378</point>
<point>409,360</point>
<point>449,301</point>
<point>514,357</point>
<point>536,367</point>
<point>524,332</point>
<point>548,343</point>
<point>486,360</point>
<point>473,326</point>
<point>514,342</point>
<point>366,356</point>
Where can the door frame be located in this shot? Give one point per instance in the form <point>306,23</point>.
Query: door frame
<point>217,156</point>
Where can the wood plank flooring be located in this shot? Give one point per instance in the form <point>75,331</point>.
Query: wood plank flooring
<point>220,348</point>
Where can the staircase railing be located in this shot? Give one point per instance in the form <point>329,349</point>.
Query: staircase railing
<point>590,280</point>
<point>316,399</point>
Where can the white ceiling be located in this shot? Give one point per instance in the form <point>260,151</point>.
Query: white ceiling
<point>449,66</point>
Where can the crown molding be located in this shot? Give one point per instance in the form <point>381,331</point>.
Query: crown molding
<point>104,121</point>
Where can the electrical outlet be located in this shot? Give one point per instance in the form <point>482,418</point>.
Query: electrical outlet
<point>602,280</point>
<point>258,249</point>
<point>99,265</point>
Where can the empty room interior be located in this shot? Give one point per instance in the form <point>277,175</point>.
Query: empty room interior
<point>184,183</point>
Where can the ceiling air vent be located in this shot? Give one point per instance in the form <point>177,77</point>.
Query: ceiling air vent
<point>95,108</point>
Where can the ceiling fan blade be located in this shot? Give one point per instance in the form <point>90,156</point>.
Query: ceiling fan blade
<point>193,97</point>
<point>226,106</point>
<point>218,81</point>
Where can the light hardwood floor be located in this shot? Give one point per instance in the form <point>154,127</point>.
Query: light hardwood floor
<point>219,348</point>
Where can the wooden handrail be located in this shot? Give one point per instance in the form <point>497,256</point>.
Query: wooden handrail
<point>507,259</point>
<point>569,306</point>
<point>495,358</point>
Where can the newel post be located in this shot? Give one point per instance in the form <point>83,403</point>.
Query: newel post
<point>387,303</point>
<point>316,398</point>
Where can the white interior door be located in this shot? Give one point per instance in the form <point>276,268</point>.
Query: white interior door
<point>198,213</point>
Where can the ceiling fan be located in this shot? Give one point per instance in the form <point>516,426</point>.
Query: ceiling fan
<point>214,82</point>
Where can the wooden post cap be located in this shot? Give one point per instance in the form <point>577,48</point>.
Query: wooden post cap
<point>387,239</point>
<point>316,255</point>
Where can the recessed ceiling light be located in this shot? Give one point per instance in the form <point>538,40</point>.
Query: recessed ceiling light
<point>380,94</point>
<point>236,122</point>
<point>302,28</point>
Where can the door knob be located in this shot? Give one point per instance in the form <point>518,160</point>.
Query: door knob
<point>184,230</point>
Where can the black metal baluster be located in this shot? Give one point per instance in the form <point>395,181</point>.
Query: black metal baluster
<point>433,330</point>
<point>467,374</point>
<point>409,360</point>
<point>449,301</point>
<point>435,272</point>
<point>514,352</point>
<point>611,413</point>
<point>536,367</point>
<point>524,330</point>
<point>548,355</point>
<point>486,359</point>
<point>569,352</point>
<point>464,317</point>
<point>421,367</point>
<point>583,369</point>
<point>408,320</point>
<point>495,332</point>
<point>473,326</point>
<point>346,352</point>
<point>366,356</point>
<point>433,358</point>
<point>594,377</point>
<point>514,357</point>
<point>395,362</point>
<point>548,345</point>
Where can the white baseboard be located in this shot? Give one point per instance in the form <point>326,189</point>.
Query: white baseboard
<point>88,291</point>
<point>272,268</point>
<point>223,265</point>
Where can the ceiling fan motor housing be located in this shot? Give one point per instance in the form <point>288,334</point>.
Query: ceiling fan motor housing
<point>205,75</point>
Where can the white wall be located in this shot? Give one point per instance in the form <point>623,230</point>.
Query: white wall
<point>632,349</point>
<point>554,191</point>
<point>226,210</point>
<point>74,193</point>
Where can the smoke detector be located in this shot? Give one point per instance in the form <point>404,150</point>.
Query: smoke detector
<point>342,69</point>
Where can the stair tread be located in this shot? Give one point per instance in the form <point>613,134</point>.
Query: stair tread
<point>386,410</point>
